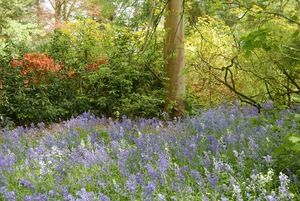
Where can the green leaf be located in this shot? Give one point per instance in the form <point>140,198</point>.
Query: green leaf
<point>295,34</point>
<point>255,39</point>
<point>294,139</point>
<point>296,147</point>
<point>295,17</point>
<point>279,150</point>
<point>297,117</point>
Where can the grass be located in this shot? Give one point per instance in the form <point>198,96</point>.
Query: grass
<point>224,153</point>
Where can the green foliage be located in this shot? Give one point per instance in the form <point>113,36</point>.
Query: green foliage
<point>33,102</point>
<point>248,46</point>
<point>289,151</point>
<point>256,39</point>
<point>126,82</point>
<point>18,34</point>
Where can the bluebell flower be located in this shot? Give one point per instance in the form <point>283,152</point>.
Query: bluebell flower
<point>224,199</point>
<point>26,183</point>
<point>283,188</point>
<point>272,197</point>
<point>161,197</point>
<point>84,195</point>
<point>10,196</point>
<point>103,197</point>
<point>149,189</point>
<point>151,170</point>
<point>268,159</point>
<point>131,183</point>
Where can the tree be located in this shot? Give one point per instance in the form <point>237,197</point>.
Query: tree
<point>257,55</point>
<point>174,58</point>
<point>17,27</point>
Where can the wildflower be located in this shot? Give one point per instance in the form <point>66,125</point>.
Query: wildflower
<point>212,179</point>
<point>213,143</point>
<point>283,188</point>
<point>268,159</point>
<point>131,183</point>
<point>237,192</point>
<point>103,197</point>
<point>197,177</point>
<point>204,197</point>
<point>151,170</point>
<point>51,193</point>
<point>163,163</point>
<point>26,183</point>
<point>11,196</point>
<point>85,196</point>
<point>149,189</point>
<point>41,125</point>
<point>161,197</point>
<point>272,197</point>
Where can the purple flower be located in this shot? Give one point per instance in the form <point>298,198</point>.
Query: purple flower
<point>41,125</point>
<point>94,137</point>
<point>131,183</point>
<point>163,163</point>
<point>206,160</point>
<point>268,159</point>
<point>204,197</point>
<point>37,196</point>
<point>149,189</point>
<point>161,197</point>
<point>180,175</point>
<point>140,178</point>
<point>212,179</point>
<point>283,188</point>
<point>103,197</point>
<point>52,193</point>
<point>272,197</point>
<point>26,183</point>
<point>151,170</point>
<point>69,197</point>
<point>84,195</point>
<point>10,196</point>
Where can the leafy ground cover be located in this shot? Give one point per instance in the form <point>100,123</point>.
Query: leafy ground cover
<point>224,153</point>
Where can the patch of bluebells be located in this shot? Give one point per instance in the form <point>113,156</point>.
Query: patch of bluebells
<point>224,153</point>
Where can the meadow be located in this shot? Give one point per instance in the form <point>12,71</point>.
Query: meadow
<point>223,153</point>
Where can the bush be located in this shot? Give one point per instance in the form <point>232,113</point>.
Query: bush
<point>81,71</point>
<point>31,89</point>
<point>110,79</point>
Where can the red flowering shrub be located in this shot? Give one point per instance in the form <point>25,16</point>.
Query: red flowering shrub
<point>95,66</point>
<point>36,64</point>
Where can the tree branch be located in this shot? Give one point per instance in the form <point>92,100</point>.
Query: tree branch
<point>283,16</point>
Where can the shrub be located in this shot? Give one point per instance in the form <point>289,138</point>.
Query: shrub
<point>27,89</point>
<point>36,66</point>
<point>111,79</point>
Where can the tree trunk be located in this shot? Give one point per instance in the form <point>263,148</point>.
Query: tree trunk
<point>39,13</point>
<point>57,11</point>
<point>174,58</point>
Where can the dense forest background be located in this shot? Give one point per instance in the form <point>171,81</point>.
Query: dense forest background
<point>59,58</point>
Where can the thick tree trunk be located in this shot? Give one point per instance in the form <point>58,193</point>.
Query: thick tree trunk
<point>174,58</point>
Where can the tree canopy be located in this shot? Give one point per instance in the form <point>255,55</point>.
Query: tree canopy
<point>120,57</point>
